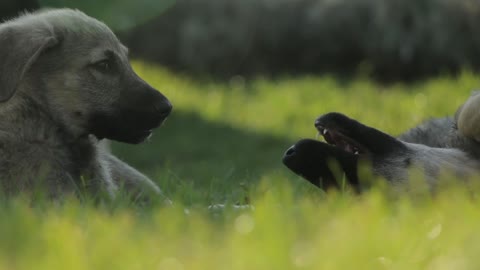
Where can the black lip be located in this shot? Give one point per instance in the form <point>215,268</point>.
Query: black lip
<point>142,136</point>
<point>126,127</point>
<point>373,141</point>
<point>338,139</point>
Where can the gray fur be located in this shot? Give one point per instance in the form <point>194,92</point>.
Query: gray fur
<point>431,160</point>
<point>435,146</point>
<point>50,96</point>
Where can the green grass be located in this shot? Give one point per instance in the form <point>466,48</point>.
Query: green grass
<point>223,144</point>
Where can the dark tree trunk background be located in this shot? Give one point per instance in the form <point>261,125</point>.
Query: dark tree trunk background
<point>11,8</point>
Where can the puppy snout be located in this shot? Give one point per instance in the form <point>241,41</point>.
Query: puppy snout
<point>290,151</point>
<point>164,108</point>
<point>290,156</point>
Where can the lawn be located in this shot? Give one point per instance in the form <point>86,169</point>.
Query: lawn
<point>223,145</point>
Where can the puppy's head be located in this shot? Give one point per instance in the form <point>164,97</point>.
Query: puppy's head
<point>311,159</point>
<point>79,71</point>
<point>347,142</point>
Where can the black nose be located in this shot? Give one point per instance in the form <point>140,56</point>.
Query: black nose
<point>317,123</point>
<point>290,152</point>
<point>165,109</point>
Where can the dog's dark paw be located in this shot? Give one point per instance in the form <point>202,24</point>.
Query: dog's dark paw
<point>311,159</point>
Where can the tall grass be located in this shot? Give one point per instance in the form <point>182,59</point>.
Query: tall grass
<point>337,232</point>
<point>223,144</point>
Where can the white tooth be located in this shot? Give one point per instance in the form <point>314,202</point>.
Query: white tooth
<point>356,153</point>
<point>325,131</point>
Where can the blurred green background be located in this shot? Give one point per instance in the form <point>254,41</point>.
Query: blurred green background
<point>389,40</point>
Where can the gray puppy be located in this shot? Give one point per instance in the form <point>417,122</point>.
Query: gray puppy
<point>65,84</point>
<point>437,145</point>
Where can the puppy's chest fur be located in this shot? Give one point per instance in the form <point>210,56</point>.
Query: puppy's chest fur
<point>60,166</point>
<point>83,159</point>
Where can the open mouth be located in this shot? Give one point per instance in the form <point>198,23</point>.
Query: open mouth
<point>336,138</point>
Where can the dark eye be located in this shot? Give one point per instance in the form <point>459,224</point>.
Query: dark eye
<point>103,66</point>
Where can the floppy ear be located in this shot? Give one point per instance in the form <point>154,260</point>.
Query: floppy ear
<point>19,49</point>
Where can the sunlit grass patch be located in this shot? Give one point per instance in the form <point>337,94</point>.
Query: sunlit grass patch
<point>283,231</point>
<point>287,107</point>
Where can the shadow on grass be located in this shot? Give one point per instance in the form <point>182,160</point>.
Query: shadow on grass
<point>194,157</point>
